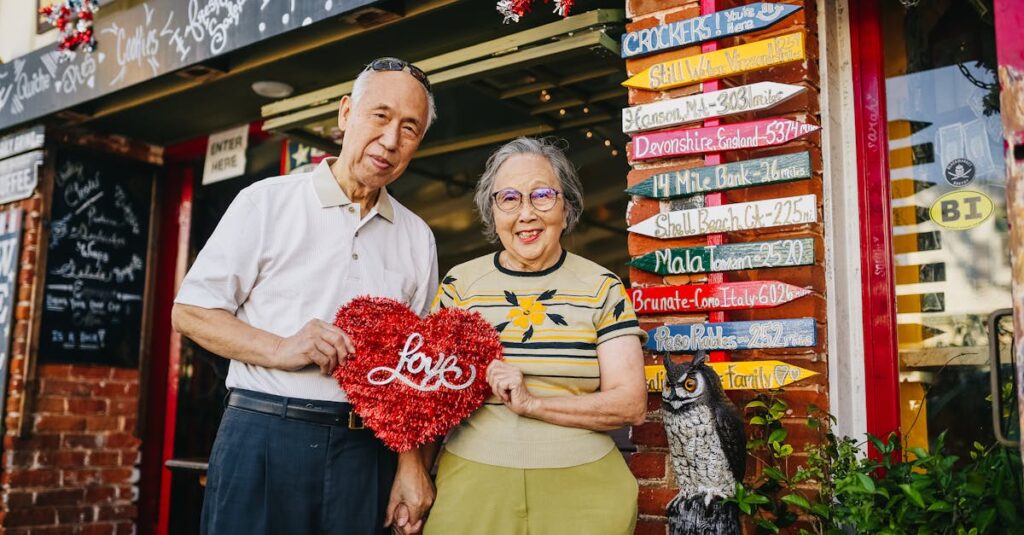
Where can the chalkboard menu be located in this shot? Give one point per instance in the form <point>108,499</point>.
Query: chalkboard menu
<point>96,261</point>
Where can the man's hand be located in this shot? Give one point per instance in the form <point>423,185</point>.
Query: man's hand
<point>317,342</point>
<point>507,383</point>
<point>412,494</point>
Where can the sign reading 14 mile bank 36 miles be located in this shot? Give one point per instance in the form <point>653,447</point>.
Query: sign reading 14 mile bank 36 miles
<point>677,111</point>
<point>742,174</point>
<point>737,20</point>
<point>681,141</point>
<point>730,217</point>
<point>721,63</point>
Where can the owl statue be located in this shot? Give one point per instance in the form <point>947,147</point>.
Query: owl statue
<point>708,449</point>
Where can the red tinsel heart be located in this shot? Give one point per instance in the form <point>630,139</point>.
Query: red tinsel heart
<point>412,380</point>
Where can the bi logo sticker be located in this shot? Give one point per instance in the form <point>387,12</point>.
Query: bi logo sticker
<point>961,210</point>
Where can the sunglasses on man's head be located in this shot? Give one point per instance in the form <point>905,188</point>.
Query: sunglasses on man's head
<point>395,64</point>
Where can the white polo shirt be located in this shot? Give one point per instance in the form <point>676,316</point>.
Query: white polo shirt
<point>293,248</point>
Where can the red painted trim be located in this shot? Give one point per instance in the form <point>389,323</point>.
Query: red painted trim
<point>879,294</point>
<point>195,148</point>
<point>713,199</point>
<point>1009,18</point>
<point>284,156</point>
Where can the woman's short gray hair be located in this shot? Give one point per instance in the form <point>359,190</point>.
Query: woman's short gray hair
<point>549,148</point>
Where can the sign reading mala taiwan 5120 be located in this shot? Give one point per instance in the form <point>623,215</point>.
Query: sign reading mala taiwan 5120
<point>731,217</point>
<point>728,257</point>
<point>682,141</point>
<point>96,262</point>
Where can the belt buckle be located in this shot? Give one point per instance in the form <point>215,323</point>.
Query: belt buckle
<point>355,422</point>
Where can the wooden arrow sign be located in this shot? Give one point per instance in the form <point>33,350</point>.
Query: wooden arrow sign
<point>901,128</point>
<point>743,174</point>
<point>915,333</point>
<point>908,187</point>
<point>919,273</point>
<point>926,302</point>
<point>732,335</point>
<point>735,21</point>
<point>730,217</point>
<point>726,296</point>
<point>677,111</point>
<point>721,63</point>
<point>728,257</point>
<point>681,141</point>
<point>916,241</point>
<point>910,156</point>
<point>745,375</point>
<point>909,215</point>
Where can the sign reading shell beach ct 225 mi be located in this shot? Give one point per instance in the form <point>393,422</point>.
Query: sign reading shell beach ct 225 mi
<point>721,63</point>
<point>730,217</point>
<point>735,21</point>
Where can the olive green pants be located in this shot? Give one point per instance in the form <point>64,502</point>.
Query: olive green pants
<point>597,498</point>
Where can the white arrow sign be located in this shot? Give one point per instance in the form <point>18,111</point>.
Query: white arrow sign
<point>731,217</point>
<point>677,111</point>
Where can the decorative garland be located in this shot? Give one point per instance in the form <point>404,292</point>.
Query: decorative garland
<point>513,9</point>
<point>73,19</point>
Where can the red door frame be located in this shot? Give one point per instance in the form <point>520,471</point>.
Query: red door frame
<point>881,368</point>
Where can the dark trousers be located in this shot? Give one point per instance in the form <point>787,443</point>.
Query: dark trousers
<point>272,475</point>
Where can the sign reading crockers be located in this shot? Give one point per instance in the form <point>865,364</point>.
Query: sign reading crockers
<point>724,23</point>
<point>733,335</point>
<point>727,176</point>
<point>750,375</point>
<point>721,63</point>
<point>731,217</point>
<point>728,257</point>
<point>763,133</point>
<point>727,296</point>
<point>665,113</point>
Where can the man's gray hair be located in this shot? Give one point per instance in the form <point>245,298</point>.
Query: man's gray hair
<point>549,148</point>
<point>359,87</point>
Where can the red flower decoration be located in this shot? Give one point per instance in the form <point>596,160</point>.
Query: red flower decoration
<point>513,9</point>
<point>73,19</point>
<point>412,380</point>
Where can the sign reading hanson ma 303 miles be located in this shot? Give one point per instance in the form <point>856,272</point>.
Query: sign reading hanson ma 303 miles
<point>742,174</point>
<point>677,111</point>
<point>731,217</point>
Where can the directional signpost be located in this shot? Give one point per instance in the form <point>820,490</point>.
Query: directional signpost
<point>677,111</point>
<point>725,296</point>
<point>746,173</point>
<point>730,217</point>
<point>728,257</point>
<point>681,141</point>
<point>732,335</point>
<point>735,21</point>
<point>748,375</point>
<point>721,63</point>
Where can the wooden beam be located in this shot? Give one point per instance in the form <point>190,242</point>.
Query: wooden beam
<point>473,141</point>
<point>567,80</point>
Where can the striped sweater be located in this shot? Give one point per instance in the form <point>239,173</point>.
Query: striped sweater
<point>551,323</point>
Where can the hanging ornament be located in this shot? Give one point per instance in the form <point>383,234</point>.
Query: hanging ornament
<point>73,19</point>
<point>513,9</point>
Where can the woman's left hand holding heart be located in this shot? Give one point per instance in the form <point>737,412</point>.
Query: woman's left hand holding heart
<point>507,383</point>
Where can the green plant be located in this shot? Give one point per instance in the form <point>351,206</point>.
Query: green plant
<point>838,489</point>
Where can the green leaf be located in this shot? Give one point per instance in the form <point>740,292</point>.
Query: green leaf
<point>778,435</point>
<point>757,420</point>
<point>786,451</point>
<point>821,510</point>
<point>774,473</point>
<point>757,499</point>
<point>866,482</point>
<point>913,494</point>
<point>756,404</point>
<point>797,500</point>
<point>767,525</point>
<point>940,506</point>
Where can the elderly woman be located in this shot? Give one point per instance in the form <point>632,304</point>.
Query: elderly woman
<point>536,457</point>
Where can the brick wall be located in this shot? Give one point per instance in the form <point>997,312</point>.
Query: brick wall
<point>649,464</point>
<point>73,469</point>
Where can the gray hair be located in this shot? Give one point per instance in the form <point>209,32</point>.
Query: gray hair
<point>359,87</point>
<point>549,148</point>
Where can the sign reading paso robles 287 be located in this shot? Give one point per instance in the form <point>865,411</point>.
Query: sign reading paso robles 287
<point>733,335</point>
<point>731,217</point>
<point>763,133</point>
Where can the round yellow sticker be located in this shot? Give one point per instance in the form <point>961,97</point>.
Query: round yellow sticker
<point>961,209</point>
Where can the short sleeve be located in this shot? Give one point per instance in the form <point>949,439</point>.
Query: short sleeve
<point>227,267</point>
<point>616,317</point>
<point>427,283</point>
<point>445,297</point>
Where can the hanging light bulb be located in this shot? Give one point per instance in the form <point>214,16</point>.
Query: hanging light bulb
<point>561,111</point>
<point>586,109</point>
<point>544,95</point>
<point>615,152</point>
<point>607,143</point>
<point>589,134</point>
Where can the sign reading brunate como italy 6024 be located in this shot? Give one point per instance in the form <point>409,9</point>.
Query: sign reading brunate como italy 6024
<point>725,296</point>
<point>677,111</point>
<point>682,141</point>
<point>719,64</point>
<point>772,169</point>
<point>731,217</point>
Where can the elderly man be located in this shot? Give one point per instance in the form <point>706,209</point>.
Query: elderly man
<point>290,455</point>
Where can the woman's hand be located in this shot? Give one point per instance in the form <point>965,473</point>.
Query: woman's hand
<point>507,383</point>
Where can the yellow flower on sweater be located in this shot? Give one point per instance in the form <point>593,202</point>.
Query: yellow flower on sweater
<point>529,311</point>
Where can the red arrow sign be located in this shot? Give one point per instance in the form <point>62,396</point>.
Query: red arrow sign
<point>763,133</point>
<point>726,296</point>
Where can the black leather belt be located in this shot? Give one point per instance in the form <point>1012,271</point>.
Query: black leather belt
<point>306,410</point>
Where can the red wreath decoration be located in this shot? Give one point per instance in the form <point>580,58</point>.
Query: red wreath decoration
<point>405,416</point>
<point>73,19</point>
<point>513,9</point>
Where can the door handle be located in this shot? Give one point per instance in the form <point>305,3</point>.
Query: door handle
<point>995,382</point>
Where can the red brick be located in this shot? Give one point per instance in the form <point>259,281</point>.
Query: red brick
<point>60,496</point>
<point>62,459</point>
<point>92,372</point>
<point>54,371</point>
<point>654,500</point>
<point>96,495</point>
<point>65,387</point>
<point>59,423</point>
<point>126,374</point>
<point>33,442</point>
<point>647,465</point>
<point>104,458</point>
<point>650,527</point>
<point>116,512</point>
<point>122,440</point>
<point>30,517</point>
<point>116,475</point>
<point>649,434</point>
<point>52,404</point>
<point>32,478</point>
<point>126,528</point>
<point>79,477</point>
<point>76,515</point>
<point>123,407</point>
<point>87,406</point>
<point>103,423</point>
<point>98,529</point>
<point>81,441</point>
<point>19,499</point>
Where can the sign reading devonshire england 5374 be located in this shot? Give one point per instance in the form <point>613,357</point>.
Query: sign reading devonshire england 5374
<point>731,217</point>
<point>728,257</point>
<point>727,296</point>
<point>682,141</point>
<point>677,111</point>
<point>721,63</point>
<point>742,174</point>
<point>724,23</point>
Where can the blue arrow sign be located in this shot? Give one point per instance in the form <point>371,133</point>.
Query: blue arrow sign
<point>724,23</point>
<point>764,334</point>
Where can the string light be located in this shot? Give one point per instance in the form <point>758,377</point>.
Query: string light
<point>586,109</point>
<point>615,152</point>
<point>561,111</point>
<point>544,95</point>
<point>607,143</point>
<point>590,134</point>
